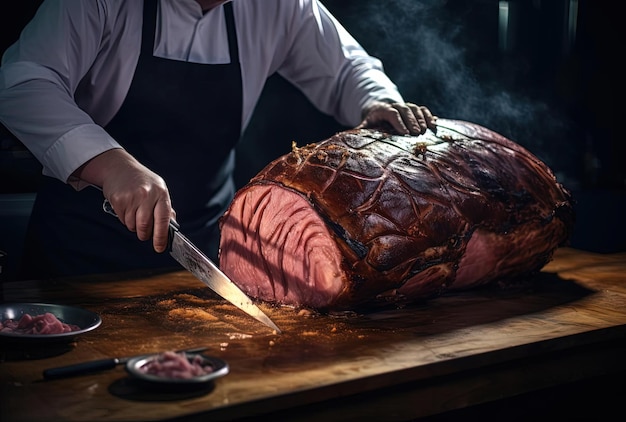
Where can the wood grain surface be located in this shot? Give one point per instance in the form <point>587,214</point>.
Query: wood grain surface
<point>564,324</point>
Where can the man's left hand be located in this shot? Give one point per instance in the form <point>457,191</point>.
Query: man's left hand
<point>404,118</point>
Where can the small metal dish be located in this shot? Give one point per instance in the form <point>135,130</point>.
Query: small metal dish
<point>136,368</point>
<point>84,319</point>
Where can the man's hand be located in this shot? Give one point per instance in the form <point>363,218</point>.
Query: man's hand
<point>404,118</point>
<point>139,196</point>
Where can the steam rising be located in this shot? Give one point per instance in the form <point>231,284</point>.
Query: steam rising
<point>451,63</point>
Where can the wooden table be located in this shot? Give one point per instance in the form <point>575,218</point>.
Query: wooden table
<point>566,324</point>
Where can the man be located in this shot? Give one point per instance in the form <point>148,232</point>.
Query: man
<point>147,100</point>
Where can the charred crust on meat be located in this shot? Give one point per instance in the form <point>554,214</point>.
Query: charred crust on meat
<point>301,153</point>
<point>357,247</point>
<point>321,156</point>
<point>360,250</point>
<point>420,149</point>
<point>455,242</point>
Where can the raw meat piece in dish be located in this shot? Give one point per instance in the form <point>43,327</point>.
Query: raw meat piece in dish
<point>46,323</point>
<point>171,364</point>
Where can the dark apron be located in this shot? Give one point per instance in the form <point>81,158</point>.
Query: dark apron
<point>182,120</point>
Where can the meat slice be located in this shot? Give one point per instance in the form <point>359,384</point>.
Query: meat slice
<point>366,216</point>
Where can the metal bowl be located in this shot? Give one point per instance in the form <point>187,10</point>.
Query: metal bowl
<point>84,319</point>
<point>135,367</point>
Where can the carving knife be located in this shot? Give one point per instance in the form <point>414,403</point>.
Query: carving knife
<point>196,262</point>
<point>97,365</point>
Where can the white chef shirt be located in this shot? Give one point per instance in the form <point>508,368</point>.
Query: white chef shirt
<point>70,70</point>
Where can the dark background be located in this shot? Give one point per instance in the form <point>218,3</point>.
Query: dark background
<point>546,86</point>
<point>540,80</point>
<point>549,89</point>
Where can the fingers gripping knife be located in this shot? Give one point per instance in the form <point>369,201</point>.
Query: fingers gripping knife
<point>196,262</point>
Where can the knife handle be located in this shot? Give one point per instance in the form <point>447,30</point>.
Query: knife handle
<point>174,226</point>
<point>80,368</point>
<point>108,208</point>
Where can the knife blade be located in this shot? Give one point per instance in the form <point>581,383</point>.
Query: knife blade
<point>197,263</point>
<point>98,365</point>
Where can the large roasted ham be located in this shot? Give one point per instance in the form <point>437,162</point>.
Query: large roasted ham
<point>366,216</point>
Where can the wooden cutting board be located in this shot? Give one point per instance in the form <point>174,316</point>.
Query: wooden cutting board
<point>571,315</point>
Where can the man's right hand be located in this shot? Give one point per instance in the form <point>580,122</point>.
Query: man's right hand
<point>139,196</point>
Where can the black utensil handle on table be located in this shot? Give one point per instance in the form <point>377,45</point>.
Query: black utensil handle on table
<point>80,368</point>
<point>98,365</point>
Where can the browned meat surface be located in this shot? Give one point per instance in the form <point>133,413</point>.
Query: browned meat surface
<point>366,216</point>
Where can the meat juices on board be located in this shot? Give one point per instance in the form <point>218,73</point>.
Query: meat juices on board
<point>366,216</point>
